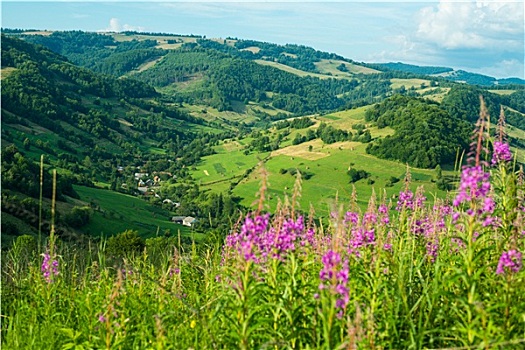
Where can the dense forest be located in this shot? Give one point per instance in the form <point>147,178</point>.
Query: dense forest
<point>425,134</point>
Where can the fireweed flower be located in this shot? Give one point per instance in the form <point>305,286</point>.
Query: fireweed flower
<point>257,241</point>
<point>351,217</point>
<point>334,277</point>
<point>432,248</point>
<point>383,213</point>
<point>474,185</point>
<point>510,261</point>
<point>49,267</point>
<point>420,197</point>
<point>405,200</point>
<point>501,153</point>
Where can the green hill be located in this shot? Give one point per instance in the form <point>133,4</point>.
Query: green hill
<point>185,125</point>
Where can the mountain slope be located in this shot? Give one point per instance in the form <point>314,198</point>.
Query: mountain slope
<point>450,74</point>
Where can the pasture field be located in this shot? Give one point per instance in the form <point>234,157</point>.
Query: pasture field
<point>330,66</point>
<point>502,92</point>
<point>347,118</point>
<point>116,212</point>
<point>408,83</point>
<point>230,162</point>
<point>326,165</point>
<point>292,70</point>
<point>253,49</point>
<point>437,93</point>
<point>329,177</point>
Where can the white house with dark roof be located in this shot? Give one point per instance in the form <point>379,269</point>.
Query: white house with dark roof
<point>189,221</point>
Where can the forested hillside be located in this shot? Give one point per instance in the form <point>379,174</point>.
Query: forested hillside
<point>92,128</point>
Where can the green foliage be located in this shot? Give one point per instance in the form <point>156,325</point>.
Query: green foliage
<point>296,123</point>
<point>124,244</point>
<point>78,217</point>
<point>329,134</point>
<point>425,135</point>
<point>356,175</point>
<point>342,67</point>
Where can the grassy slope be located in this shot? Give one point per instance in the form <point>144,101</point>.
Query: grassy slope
<point>330,66</point>
<point>328,164</point>
<point>117,212</point>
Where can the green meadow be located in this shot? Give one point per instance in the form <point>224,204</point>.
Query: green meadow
<point>116,212</point>
<point>329,178</point>
<point>323,167</point>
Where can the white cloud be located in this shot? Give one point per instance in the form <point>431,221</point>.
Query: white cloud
<point>505,68</point>
<point>115,26</point>
<point>479,24</point>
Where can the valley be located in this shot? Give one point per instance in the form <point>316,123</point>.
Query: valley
<point>208,112</point>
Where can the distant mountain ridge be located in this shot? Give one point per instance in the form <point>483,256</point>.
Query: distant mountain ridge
<point>450,74</point>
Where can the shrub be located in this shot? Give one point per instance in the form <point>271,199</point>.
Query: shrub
<point>124,244</point>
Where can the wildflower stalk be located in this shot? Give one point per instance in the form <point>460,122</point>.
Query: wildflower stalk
<point>40,202</point>
<point>243,316</point>
<point>53,206</point>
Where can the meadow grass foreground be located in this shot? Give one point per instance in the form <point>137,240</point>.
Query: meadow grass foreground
<point>409,274</point>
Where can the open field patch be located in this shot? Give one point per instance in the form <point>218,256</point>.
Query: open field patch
<point>5,72</point>
<point>224,166</point>
<point>438,94</point>
<point>408,83</point>
<point>167,46</point>
<point>124,122</point>
<point>292,70</point>
<point>502,92</point>
<point>232,145</point>
<point>147,65</point>
<point>253,49</point>
<point>219,168</point>
<point>328,178</point>
<point>301,151</point>
<point>330,67</point>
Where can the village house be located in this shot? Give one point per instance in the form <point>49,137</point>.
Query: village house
<point>184,220</point>
<point>189,221</point>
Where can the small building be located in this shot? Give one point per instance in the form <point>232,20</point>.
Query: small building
<point>177,219</point>
<point>189,221</point>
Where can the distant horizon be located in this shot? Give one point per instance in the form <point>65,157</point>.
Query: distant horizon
<point>483,37</point>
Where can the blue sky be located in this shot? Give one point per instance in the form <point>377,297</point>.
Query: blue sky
<point>478,36</point>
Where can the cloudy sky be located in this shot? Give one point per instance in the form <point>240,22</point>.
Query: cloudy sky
<point>479,36</point>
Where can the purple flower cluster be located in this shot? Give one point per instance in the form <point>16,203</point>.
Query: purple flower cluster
<point>420,198</point>
<point>501,153</point>
<point>432,248</point>
<point>334,277</point>
<point>351,218</point>
<point>49,267</point>
<point>510,261</point>
<point>474,185</point>
<point>405,200</point>
<point>257,240</point>
<point>383,213</point>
